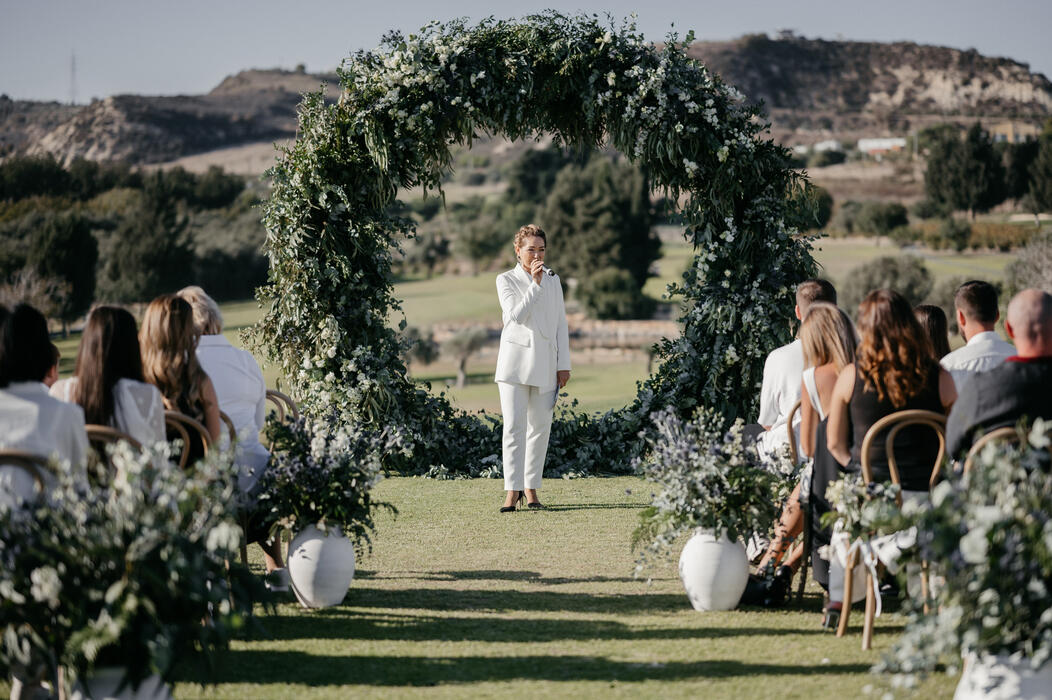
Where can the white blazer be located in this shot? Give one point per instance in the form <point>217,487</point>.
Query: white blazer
<point>535,342</point>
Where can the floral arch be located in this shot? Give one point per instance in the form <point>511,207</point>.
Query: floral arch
<point>403,106</point>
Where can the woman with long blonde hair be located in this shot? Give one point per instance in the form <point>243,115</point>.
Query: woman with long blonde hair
<point>828,339</point>
<point>168,341</point>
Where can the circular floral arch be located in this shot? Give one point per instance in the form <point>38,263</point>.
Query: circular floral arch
<point>400,111</point>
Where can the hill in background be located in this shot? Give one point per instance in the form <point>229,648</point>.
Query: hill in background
<point>813,89</point>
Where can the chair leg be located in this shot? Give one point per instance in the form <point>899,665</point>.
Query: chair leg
<point>244,540</point>
<point>871,611</point>
<point>845,604</point>
<point>806,544</point>
<point>925,590</point>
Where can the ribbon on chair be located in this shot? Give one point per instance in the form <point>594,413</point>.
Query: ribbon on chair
<point>868,556</point>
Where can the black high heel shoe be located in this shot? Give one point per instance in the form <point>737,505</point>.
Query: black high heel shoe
<point>511,508</point>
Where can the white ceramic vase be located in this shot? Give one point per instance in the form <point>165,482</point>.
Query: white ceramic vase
<point>1001,678</point>
<point>102,684</point>
<point>714,571</point>
<point>321,567</point>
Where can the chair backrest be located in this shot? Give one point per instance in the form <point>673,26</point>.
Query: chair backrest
<point>101,435</point>
<point>283,403</point>
<point>34,465</point>
<point>187,428</point>
<point>1006,434</point>
<point>231,430</point>
<point>894,423</point>
<point>794,452</point>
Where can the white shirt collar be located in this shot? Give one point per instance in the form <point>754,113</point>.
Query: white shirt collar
<point>218,340</point>
<point>27,388</point>
<point>523,275</point>
<point>983,337</point>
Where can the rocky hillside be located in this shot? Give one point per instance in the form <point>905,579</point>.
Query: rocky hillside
<point>839,87</point>
<point>249,107</point>
<point>813,89</point>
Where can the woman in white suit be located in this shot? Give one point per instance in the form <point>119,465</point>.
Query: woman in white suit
<point>533,363</point>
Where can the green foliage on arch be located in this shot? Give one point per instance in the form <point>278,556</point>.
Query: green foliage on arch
<point>400,111</point>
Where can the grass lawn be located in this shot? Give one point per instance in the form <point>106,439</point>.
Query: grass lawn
<point>459,600</point>
<point>597,386</point>
<point>838,256</point>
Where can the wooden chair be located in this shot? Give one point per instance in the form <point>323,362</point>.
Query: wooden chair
<point>99,436</point>
<point>1006,434</point>
<point>185,427</point>
<point>805,534</point>
<point>893,423</point>
<point>35,465</point>
<point>283,403</point>
<point>230,429</point>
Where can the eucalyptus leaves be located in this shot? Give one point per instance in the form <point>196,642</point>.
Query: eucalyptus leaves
<point>988,533</point>
<point>124,574</point>
<point>403,107</point>
<point>708,478</point>
<point>321,473</point>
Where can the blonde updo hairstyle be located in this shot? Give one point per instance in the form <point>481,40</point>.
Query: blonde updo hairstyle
<point>528,231</point>
<point>168,341</point>
<point>207,318</point>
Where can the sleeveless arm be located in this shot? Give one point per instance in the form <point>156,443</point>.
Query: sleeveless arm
<point>211,401</point>
<point>512,306</point>
<point>837,439</point>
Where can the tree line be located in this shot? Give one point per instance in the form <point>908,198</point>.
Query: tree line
<point>70,236</point>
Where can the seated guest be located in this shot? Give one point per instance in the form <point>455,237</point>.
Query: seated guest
<point>52,374</point>
<point>169,362</point>
<point>108,380</point>
<point>975,304</point>
<point>894,370</point>
<point>782,373</point>
<point>242,395</point>
<point>238,382</point>
<point>933,320</point>
<point>828,339</point>
<point>30,419</point>
<point>1020,387</point>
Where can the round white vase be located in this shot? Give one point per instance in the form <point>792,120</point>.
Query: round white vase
<point>321,567</point>
<point>103,683</point>
<point>714,571</point>
<point>999,677</point>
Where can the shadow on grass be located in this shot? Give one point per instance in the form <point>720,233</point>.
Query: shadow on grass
<point>501,575</point>
<point>505,600</point>
<point>594,506</point>
<point>493,629</point>
<point>273,666</point>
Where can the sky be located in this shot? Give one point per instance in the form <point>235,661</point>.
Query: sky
<point>189,46</point>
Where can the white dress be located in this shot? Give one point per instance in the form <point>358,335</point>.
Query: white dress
<point>31,420</point>
<point>242,395</point>
<point>138,409</point>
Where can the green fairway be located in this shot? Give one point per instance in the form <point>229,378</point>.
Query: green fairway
<point>459,600</point>
<point>838,256</point>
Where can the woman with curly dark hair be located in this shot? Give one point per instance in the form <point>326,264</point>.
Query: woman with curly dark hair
<point>894,370</point>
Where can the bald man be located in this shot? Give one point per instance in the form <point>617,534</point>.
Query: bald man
<point>1021,387</point>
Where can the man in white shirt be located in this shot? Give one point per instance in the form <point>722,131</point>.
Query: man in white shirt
<point>31,420</point>
<point>976,307</point>
<point>782,374</point>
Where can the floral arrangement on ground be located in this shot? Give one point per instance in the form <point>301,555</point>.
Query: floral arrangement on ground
<point>124,574</point>
<point>707,478</point>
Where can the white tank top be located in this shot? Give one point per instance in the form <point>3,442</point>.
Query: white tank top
<point>812,391</point>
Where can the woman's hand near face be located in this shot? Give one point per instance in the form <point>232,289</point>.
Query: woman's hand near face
<point>536,269</point>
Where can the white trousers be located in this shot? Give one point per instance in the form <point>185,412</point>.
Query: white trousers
<point>527,423</point>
